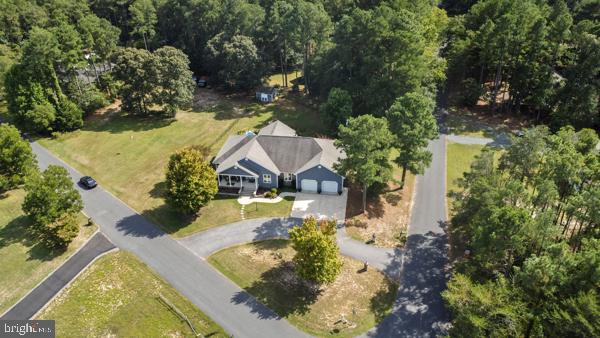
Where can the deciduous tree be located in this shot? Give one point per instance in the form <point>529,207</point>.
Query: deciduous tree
<point>317,256</point>
<point>52,203</point>
<point>16,158</point>
<point>191,181</point>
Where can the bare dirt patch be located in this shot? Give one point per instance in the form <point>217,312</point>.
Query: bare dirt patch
<point>387,215</point>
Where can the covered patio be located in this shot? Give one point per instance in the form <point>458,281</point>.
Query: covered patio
<point>243,183</point>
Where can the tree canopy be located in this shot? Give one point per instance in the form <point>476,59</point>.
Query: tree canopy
<point>317,256</point>
<point>191,180</point>
<point>530,223</point>
<point>367,142</point>
<point>16,158</point>
<point>52,203</point>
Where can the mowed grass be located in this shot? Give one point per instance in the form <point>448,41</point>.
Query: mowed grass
<point>224,210</point>
<point>264,270</point>
<point>458,161</point>
<point>277,79</point>
<point>119,296</point>
<point>128,155</point>
<point>24,261</point>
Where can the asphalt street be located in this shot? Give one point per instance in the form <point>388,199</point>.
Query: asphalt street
<point>235,310</point>
<point>49,287</point>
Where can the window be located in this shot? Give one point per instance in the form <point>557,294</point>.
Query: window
<point>266,178</point>
<point>287,177</point>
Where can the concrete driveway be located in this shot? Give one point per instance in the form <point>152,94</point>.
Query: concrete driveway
<point>320,206</point>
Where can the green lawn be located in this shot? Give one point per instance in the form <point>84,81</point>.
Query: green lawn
<point>119,296</point>
<point>458,161</point>
<point>128,155</point>
<point>264,270</point>
<point>277,79</point>
<point>223,210</point>
<point>25,261</point>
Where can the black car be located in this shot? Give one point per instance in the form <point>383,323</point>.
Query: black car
<point>88,182</point>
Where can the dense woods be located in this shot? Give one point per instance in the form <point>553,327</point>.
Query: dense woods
<point>536,57</point>
<point>530,227</point>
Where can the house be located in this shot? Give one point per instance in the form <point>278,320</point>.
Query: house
<point>277,157</point>
<point>266,94</point>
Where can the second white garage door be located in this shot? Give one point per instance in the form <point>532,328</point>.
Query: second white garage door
<point>308,185</point>
<point>329,187</point>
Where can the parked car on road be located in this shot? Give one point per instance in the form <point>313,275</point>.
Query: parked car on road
<point>88,182</point>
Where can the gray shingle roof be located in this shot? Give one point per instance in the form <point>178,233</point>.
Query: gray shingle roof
<point>277,148</point>
<point>277,128</point>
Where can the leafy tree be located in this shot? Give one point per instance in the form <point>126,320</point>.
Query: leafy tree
<point>238,60</point>
<point>16,158</point>
<point>317,256</point>
<point>69,116</point>
<point>401,55</point>
<point>41,117</point>
<point>174,79</point>
<point>413,124</point>
<point>337,109</point>
<point>52,203</point>
<point>143,19</point>
<point>41,51</point>
<point>162,78</point>
<point>367,141</point>
<point>191,180</point>
<point>135,68</point>
<point>8,57</point>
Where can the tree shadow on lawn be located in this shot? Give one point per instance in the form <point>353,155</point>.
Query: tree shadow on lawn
<point>171,220</point>
<point>375,207</point>
<point>282,291</point>
<point>120,123</point>
<point>20,230</point>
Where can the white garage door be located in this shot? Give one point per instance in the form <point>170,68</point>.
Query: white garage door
<point>329,187</point>
<point>308,185</point>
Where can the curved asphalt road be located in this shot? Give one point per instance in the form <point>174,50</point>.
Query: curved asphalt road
<point>420,267</point>
<point>228,305</point>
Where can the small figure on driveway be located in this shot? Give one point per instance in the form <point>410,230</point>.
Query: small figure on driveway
<point>366,267</point>
<point>373,238</point>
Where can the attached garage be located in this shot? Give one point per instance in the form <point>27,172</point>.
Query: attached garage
<point>329,187</point>
<point>308,185</point>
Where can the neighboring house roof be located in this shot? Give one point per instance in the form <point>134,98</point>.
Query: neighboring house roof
<point>278,149</point>
<point>277,128</point>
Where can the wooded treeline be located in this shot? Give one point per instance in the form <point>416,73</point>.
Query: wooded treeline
<point>536,57</point>
<point>530,226</point>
